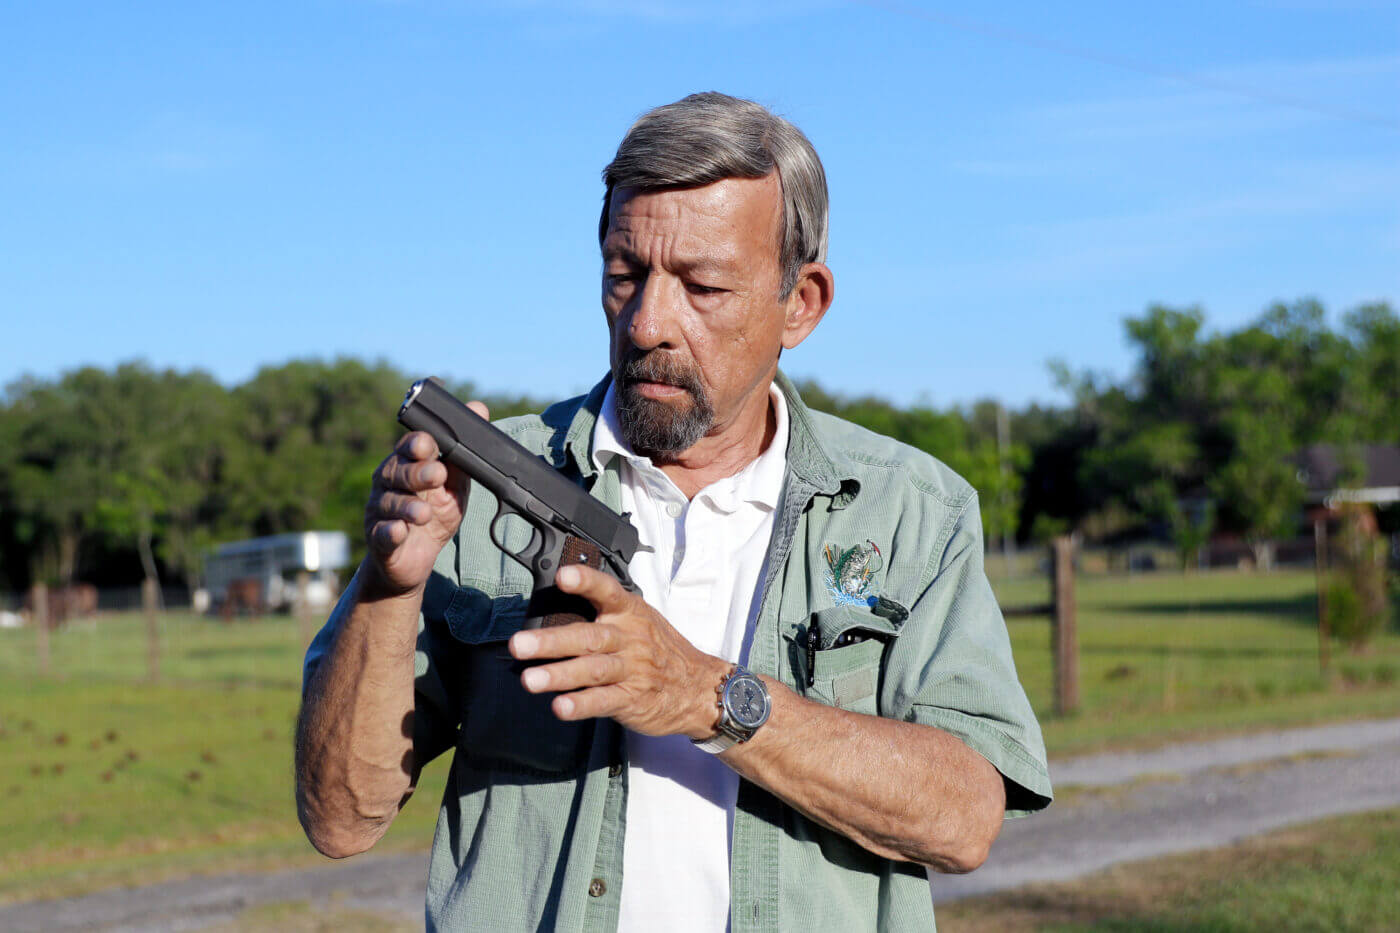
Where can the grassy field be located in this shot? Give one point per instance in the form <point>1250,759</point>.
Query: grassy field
<point>106,779</point>
<point>1336,874</point>
<point>1165,656</point>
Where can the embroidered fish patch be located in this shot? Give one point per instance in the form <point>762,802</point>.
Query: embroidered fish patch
<point>851,572</point>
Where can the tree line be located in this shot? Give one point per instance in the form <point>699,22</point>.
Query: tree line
<point>113,475</point>
<point>1202,435</point>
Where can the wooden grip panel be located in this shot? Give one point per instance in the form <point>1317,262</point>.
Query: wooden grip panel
<point>554,607</point>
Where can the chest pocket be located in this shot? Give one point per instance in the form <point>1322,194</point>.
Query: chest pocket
<point>503,726</point>
<point>844,670</point>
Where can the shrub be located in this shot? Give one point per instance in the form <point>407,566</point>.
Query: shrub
<point>1354,674</point>
<point>1357,596</point>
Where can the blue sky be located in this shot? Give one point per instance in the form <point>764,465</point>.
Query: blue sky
<point>227,185</point>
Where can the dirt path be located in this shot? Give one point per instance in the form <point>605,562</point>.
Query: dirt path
<point>1190,757</point>
<point>1203,806</point>
<point>391,884</point>
<point>1142,804</point>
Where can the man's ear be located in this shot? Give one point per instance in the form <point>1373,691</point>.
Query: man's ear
<point>807,303</point>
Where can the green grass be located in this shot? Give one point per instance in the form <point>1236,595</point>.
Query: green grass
<point>1167,656</point>
<point>107,779</point>
<point>1337,874</point>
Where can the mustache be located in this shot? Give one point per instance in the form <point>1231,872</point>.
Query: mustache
<point>665,369</point>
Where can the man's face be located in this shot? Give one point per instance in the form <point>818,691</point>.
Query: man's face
<point>690,290</point>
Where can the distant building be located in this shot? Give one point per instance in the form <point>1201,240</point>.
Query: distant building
<point>1322,471</point>
<point>260,574</point>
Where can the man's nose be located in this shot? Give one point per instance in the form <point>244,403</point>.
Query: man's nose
<point>653,322</point>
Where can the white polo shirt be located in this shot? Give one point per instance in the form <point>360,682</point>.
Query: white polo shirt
<point>700,566</point>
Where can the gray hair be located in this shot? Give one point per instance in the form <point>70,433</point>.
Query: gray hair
<point>704,138</point>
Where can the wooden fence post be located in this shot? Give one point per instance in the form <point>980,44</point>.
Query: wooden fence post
<point>302,607</point>
<point>1064,639</point>
<point>39,615</point>
<point>1324,633</point>
<point>150,603</point>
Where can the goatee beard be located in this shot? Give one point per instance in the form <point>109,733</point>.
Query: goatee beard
<point>655,428</point>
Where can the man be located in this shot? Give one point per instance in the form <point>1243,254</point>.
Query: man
<point>813,698</point>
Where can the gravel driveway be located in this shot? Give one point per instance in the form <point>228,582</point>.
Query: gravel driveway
<point>1183,797</point>
<point>1201,796</point>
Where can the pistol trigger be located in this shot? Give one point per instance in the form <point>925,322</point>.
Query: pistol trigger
<point>545,552</point>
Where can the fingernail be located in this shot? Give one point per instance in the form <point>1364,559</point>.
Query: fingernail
<point>526,644</point>
<point>535,679</point>
<point>568,576</point>
<point>563,706</point>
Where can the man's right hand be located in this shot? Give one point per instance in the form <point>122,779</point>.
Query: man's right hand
<point>415,507</point>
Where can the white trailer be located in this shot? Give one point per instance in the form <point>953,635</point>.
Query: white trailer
<point>262,572</point>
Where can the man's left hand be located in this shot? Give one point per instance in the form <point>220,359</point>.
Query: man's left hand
<point>628,664</point>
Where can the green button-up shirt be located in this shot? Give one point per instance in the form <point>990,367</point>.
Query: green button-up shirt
<point>872,537</point>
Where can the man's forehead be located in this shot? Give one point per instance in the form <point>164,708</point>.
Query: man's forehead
<point>742,209</point>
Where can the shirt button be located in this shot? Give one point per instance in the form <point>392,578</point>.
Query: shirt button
<point>596,888</point>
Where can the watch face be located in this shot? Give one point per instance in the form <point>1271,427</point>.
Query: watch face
<point>747,701</point>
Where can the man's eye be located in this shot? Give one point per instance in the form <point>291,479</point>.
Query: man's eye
<point>695,288</point>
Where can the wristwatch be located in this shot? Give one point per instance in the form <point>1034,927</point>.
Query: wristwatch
<point>744,705</point>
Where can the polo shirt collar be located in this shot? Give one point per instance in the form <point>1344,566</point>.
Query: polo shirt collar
<point>760,482</point>
<point>809,460</point>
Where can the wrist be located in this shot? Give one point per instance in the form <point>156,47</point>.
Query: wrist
<point>744,705</point>
<point>389,616</point>
<point>374,585</point>
<point>709,682</point>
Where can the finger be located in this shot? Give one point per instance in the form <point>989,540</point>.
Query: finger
<point>417,445</point>
<point>592,703</point>
<point>601,589</point>
<point>589,670</point>
<point>396,505</point>
<point>385,536</point>
<point>398,472</point>
<point>480,409</point>
<point>566,641</point>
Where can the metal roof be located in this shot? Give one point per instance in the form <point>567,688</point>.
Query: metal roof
<point>1321,470</point>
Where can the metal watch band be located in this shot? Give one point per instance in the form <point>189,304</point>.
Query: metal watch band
<point>719,743</point>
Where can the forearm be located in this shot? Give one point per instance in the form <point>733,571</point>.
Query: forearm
<point>901,790</point>
<point>355,764</point>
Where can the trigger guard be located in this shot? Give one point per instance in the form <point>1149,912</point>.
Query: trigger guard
<point>530,551</point>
